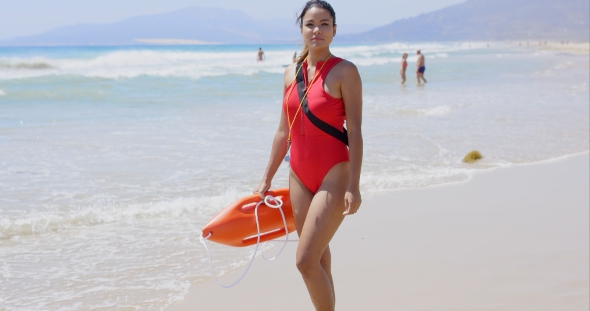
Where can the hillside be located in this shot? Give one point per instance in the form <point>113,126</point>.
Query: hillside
<point>489,20</point>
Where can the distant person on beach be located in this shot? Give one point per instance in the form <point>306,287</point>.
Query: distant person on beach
<point>260,57</point>
<point>403,66</point>
<point>295,57</point>
<point>325,159</point>
<point>421,67</point>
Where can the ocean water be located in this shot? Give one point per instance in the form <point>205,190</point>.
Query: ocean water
<point>113,158</point>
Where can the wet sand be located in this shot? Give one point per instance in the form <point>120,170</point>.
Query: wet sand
<point>512,239</point>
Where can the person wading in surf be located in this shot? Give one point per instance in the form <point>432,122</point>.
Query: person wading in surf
<point>420,67</point>
<point>260,55</point>
<point>325,172</point>
<point>403,66</point>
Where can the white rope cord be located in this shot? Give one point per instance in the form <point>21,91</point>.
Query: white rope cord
<point>278,203</point>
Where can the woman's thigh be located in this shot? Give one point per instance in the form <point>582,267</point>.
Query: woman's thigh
<point>317,217</point>
<point>300,200</point>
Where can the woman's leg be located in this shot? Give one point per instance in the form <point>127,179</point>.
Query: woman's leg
<point>326,263</point>
<point>301,200</point>
<point>317,217</point>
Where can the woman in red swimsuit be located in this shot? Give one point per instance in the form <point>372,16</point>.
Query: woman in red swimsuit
<point>324,175</point>
<point>404,65</point>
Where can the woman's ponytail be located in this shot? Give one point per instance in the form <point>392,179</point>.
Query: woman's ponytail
<point>303,54</point>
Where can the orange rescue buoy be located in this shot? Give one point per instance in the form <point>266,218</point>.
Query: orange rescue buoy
<point>235,225</point>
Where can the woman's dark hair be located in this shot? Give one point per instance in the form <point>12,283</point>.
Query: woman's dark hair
<point>313,4</point>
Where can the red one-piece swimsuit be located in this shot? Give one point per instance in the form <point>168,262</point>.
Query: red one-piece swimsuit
<point>314,152</point>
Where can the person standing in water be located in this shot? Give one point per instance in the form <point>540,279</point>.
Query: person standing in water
<point>403,66</point>
<point>420,65</point>
<point>324,174</point>
<point>260,56</point>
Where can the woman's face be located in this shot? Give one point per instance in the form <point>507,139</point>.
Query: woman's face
<point>317,28</point>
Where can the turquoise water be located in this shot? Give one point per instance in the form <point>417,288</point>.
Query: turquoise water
<point>112,158</point>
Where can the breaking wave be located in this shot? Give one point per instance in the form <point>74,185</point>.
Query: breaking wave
<point>42,222</point>
<point>178,62</point>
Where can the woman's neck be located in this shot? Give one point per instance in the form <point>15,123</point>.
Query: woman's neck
<point>318,56</point>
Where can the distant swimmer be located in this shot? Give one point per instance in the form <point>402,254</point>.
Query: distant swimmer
<point>260,57</point>
<point>420,65</point>
<point>403,66</point>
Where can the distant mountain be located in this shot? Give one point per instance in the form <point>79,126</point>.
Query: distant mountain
<point>185,26</point>
<point>489,20</point>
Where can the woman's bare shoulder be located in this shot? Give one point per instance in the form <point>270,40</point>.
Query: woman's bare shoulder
<point>346,65</point>
<point>346,69</point>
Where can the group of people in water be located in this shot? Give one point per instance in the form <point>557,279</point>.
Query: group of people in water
<point>420,67</point>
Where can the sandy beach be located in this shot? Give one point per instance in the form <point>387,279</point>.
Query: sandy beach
<point>511,239</point>
<point>574,48</point>
<point>136,148</point>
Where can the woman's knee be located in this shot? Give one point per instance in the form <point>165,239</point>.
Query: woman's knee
<point>307,264</point>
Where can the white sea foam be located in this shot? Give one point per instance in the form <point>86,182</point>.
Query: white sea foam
<point>39,222</point>
<point>411,177</point>
<point>438,49</point>
<point>152,249</point>
<point>197,64</point>
<point>144,266</point>
<point>435,111</point>
<point>135,63</point>
<point>411,111</point>
<point>580,87</point>
<point>2,93</point>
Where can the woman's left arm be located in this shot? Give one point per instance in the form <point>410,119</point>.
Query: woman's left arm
<point>352,94</point>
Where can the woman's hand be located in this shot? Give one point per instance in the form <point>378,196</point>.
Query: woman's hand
<point>262,189</point>
<point>352,201</point>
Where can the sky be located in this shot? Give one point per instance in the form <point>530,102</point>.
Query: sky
<point>28,17</point>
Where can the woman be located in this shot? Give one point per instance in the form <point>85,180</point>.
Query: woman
<point>324,175</point>
<point>404,65</point>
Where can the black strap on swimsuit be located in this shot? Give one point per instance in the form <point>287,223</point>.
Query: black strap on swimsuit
<point>327,128</point>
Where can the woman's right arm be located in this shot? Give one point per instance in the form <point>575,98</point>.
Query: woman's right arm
<point>277,153</point>
<point>279,144</point>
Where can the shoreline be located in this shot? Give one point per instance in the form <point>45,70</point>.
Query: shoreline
<point>577,48</point>
<point>485,171</point>
<point>580,48</point>
<point>481,244</point>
